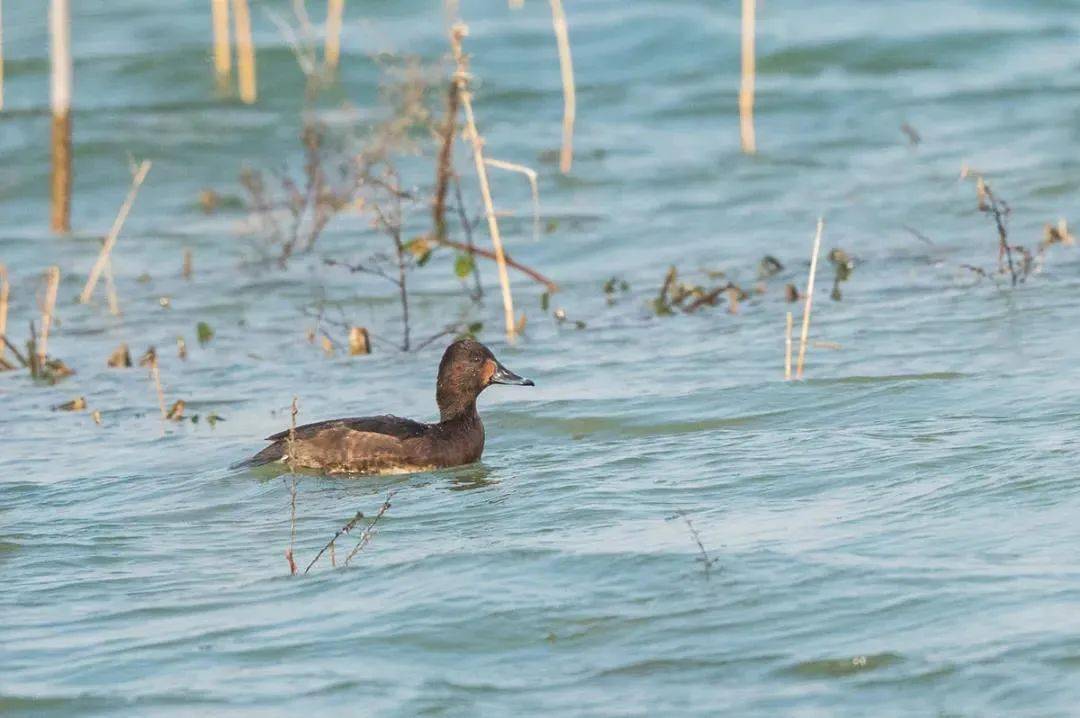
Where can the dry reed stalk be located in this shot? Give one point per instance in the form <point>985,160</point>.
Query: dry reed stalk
<point>110,290</point>
<point>155,374</point>
<point>461,77</point>
<point>330,544</point>
<point>245,52</point>
<point>219,10</point>
<point>1,54</point>
<point>60,86</point>
<point>334,11</point>
<point>365,537</point>
<point>444,169</point>
<point>809,299</point>
<point>5,290</point>
<point>787,348</point>
<point>566,67</point>
<point>293,411</point>
<point>110,240</point>
<point>530,174</point>
<point>187,269</point>
<point>746,88</point>
<point>52,283</point>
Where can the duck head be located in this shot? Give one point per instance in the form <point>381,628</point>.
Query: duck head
<point>467,368</point>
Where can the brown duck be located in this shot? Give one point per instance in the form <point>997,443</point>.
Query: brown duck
<point>389,444</point>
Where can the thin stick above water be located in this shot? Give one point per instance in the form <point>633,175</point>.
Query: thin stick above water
<point>787,349</point>
<point>530,174</point>
<point>219,10</point>
<point>114,232</point>
<point>332,54</point>
<point>566,67</point>
<point>809,299</point>
<point>5,290</point>
<point>52,282</point>
<point>457,32</point>
<point>245,52</point>
<point>60,91</point>
<point>746,88</point>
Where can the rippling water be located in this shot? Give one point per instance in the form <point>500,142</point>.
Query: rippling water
<point>895,535</point>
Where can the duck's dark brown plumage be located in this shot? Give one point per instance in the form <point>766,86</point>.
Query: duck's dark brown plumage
<point>390,444</point>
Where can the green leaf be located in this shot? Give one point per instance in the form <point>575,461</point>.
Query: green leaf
<point>545,301</point>
<point>204,332</point>
<point>463,265</point>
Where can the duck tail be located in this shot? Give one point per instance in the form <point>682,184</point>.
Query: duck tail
<point>273,453</point>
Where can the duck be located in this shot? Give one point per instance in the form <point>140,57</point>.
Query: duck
<point>393,445</point>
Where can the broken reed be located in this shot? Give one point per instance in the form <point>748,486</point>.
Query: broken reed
<point>809,299</point>
<point>566,68</point>
<point>219,10</point>
<point>245,52</point>
<point>60,90</point>
<point>531,176</point>
<point>103,263</point>
<point>52,283</point>
<point>335,9</point>
<point>461,77</point>
<point>746,88</point>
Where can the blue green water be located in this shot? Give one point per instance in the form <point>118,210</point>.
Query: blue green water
<point>896,535</point>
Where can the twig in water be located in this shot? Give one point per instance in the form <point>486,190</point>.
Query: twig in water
<point>330,544</point>
<point>809,299</point>
<point>530,174</point>
<point>114,232</point>
<point>1000,211</point>
<point>457,33</point>
<point>52,279</point>
<point>369,531</point>
<point>704,558</point>
<point>566,68</point>
<point>155,374</point>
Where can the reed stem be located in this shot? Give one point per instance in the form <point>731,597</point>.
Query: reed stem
<point>114,232</point>
<point>5,290</point>
<point>530,174</point>
<point>219,10</point>
<point>1,55</point>
<point>334,11</point>
<point>457,32</point>
<point>809,299</point>
<point>566,68</point>
<point>52,283</point>
<point>787,348</point>
<point>245,52</point>
<point>746,88</point>
<point>60,86</point>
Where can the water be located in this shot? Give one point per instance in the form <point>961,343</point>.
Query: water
<point>898,531</point>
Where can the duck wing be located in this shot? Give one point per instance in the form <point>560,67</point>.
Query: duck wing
<point>392,426</point>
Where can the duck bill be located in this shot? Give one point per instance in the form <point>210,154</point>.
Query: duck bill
<point>503,375</point>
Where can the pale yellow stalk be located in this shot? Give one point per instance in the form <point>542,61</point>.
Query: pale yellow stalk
<point>457,32</point>
<point>114,232</point>
<point>245,52</point>
<point>787,349</point>
<point>809,299</point>
<point>746,89</point>
<point>219,10</point>
<point>334,11</point>
<point>52,283</point>
<point>530,174</point>
<point>566,67</point>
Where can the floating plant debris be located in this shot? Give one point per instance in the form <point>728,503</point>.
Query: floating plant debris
<point>176,411</point>
<point>120,358</point>
<point>843,265</point>
<point>76,404</point>
<point>203,332</point>
<point>359,341</point>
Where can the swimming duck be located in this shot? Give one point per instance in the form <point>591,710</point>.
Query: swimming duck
<point>390,444</point>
